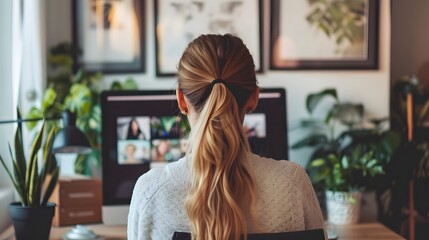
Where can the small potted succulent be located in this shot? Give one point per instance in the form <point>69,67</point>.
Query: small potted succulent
<point>34,183</point>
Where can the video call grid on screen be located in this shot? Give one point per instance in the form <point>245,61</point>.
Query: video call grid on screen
<point>143,129</point>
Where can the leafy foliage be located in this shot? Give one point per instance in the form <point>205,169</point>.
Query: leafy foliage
<point>351,159</point>
<point>79,93</point>
<point>34,187</point>
<point>346,172</point>
<point>342,19</point>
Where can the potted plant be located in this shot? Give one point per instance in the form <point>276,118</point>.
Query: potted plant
<point>32,216</point>
<point>79,92</point>
<point>341,176</point>
<point>350,154</point>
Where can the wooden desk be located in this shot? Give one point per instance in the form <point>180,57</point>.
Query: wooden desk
<point>347,232</point>
<point>376,231</point>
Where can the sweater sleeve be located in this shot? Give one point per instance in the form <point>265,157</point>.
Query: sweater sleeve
<point>312,214</point>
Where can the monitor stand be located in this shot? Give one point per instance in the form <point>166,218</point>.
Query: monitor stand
<point>115,214</point>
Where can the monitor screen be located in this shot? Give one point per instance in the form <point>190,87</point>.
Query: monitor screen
<point>144,129</point>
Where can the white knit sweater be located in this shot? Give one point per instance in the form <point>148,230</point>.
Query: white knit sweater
<point>286,200</point>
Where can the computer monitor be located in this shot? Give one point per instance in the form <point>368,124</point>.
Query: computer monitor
<point>144,129</point>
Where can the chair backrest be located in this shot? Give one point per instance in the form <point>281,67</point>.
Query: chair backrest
<point>314,234</point>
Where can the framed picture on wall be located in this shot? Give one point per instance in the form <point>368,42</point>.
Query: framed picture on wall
<point>110,35</point>
<point>318,34</point>
<point>178,22</point>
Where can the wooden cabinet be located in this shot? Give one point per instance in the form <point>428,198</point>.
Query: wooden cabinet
<point>78,201</point>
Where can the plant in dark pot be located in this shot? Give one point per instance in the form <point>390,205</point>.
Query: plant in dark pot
<point>350,154</point>
<point>34,184</point>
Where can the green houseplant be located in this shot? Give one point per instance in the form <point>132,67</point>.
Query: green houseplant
<point>341,178</point>
<point>348,156</point>
<point>342,129</point>
<point>78,92</point>
<point>32,216</point>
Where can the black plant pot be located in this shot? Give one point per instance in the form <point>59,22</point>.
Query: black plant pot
<point>32,222</point>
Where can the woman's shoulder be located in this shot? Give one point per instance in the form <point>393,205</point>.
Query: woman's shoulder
<point>278,168</point>
<point>158,178</point>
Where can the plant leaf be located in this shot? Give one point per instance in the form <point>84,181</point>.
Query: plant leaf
<point>33,185</point>
<point>311,122</point>
<point>47,159</point>
<point>78,76</point>
<point>314,99</point>
<point>329,115</point>
<point>51,186</point>
<point>317,163</point>
<point>34,113</point>
<point>19,178</point>
<point>48,98</point>
<point>345,162</point>
<point>130,84</point>
<point>10,176</point>
<point>116,85</point>
<point>19,153</point>
<point>34,150</point>
<point>79,99</point>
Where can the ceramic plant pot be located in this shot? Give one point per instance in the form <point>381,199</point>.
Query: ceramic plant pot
<point>343,207</point>
<point>31,222</point>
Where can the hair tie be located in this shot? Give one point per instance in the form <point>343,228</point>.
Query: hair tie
<point>218,81</point>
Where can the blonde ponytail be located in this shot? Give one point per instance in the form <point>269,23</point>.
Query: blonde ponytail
<point>222,190</point>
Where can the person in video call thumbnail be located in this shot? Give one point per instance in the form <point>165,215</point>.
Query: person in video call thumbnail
<point>134,131</point>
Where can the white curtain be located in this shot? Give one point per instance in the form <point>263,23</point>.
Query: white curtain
<point>9,89</point>
<point>16,52</point>
<point>22,70</point>
<point>33,54</point>
<point>29,58</point>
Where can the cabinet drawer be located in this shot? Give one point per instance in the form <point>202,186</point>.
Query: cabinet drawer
<point>76,215</point>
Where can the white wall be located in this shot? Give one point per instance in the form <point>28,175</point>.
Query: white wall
<point>369,87</point>
<point>6,110</point>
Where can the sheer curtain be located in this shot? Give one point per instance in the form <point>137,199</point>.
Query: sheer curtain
<point>9,99</point>
<point>16,52</point>
<point>21,70</point>
<point>33,54</point>
<point>29,53</point>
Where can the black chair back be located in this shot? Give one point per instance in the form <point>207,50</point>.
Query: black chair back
<point>314,234</point>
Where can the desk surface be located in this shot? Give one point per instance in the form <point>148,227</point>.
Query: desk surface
<point>345,232</point>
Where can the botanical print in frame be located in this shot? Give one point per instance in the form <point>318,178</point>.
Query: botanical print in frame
<point>318,34</point>
<point>178,22</point>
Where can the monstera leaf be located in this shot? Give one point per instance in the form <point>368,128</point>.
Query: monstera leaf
<point>79,99</point>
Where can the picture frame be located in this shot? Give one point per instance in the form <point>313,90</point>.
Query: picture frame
<point>308,35</point>
<point>178,22</point>
<point>110,35</point>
